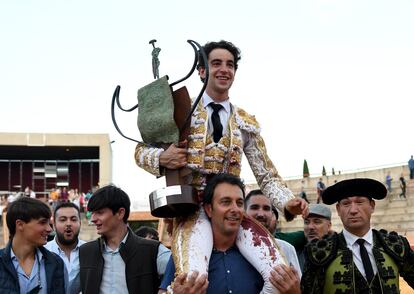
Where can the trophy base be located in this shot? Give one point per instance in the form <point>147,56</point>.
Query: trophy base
<point>173,201</point>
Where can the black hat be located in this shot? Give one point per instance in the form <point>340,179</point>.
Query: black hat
<point>354,187</point>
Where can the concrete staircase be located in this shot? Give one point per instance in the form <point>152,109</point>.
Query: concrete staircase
<point>392,213</point>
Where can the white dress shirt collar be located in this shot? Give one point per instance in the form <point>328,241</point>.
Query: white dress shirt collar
<point>351,238</point>
<point>355,248</point>
<point>207,100</point>
<point>54,246</point>
<point>108,249</point>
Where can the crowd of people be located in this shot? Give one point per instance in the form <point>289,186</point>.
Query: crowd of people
<point>229,244</point>
<point>359,259</point>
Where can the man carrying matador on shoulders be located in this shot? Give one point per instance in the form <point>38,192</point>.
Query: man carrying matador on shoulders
<point>220,133</point>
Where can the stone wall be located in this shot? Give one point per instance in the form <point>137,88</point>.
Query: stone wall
<point>392,213</point>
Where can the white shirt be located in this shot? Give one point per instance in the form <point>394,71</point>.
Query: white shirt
<point>113,277</point>
<point>71,262</point>
<point>290,253</point>
<point>223,113</point>
<point>354,247</point>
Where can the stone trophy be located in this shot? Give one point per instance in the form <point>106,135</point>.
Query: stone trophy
<point>164,117</point>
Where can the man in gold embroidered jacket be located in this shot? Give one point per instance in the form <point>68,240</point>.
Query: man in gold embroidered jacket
<point>207,155</point>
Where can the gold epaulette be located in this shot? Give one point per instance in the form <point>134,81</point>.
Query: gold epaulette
<point>246,121</point>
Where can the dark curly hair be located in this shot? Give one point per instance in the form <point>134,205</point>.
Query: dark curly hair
<point>218,179</point>
<point>110,197</point>
<point>210,46</point>
<point>25,209</point>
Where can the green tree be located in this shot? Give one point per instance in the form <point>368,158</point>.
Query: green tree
<point>305,169</point>
<point>323,171</point>
<point>333,171</point>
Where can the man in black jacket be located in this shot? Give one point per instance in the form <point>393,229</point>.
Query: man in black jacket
<point>359,259</point>
<point>118,261</point>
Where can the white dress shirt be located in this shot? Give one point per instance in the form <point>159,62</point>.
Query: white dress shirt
<point>113,277</point>
<point>71,263</point>
<point>290,253</point>
<point>354,247</point>
<point>223,113</point>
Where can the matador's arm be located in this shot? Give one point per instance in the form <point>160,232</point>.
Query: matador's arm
<point>148,158</point>
<point>267,176</point>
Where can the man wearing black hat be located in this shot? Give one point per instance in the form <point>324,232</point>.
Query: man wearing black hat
<point>359,259</point>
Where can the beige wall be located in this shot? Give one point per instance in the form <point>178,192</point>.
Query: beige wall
<point>379,174</point>
<point>81,140</point>
<point>87,140</point>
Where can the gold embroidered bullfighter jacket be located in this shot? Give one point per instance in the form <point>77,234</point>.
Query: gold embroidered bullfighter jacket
<point>205,157</point>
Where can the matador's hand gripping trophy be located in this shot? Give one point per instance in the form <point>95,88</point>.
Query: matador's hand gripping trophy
<point>164,117</point>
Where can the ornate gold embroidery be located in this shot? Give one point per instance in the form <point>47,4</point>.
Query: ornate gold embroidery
<point>235,152</point>
<point>213,167</point>
<point>225,141</point>
<point>196,144</point>
<point>268,163</point>
<point>196,141</point>
<point>197,129</point>
<point>234,170</point>
<point>225,156</point>
<point>181,236</point>
<point>198,181</point>
<point>148,158</point>
<point>246,121</point>
<point>214,152</point>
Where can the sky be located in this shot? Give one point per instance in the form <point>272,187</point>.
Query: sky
<point>330,81</point>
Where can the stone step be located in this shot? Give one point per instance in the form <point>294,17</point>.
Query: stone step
<point>401,228</point>
<point>88,231</point>
<point>405,215</point>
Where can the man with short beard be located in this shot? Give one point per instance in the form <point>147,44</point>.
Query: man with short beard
<point>67,223</point>
<point>258,206</point>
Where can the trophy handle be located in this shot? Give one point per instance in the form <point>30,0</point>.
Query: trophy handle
<point>196,47</point>
<point>115,97</point>
<point>201,51</point>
